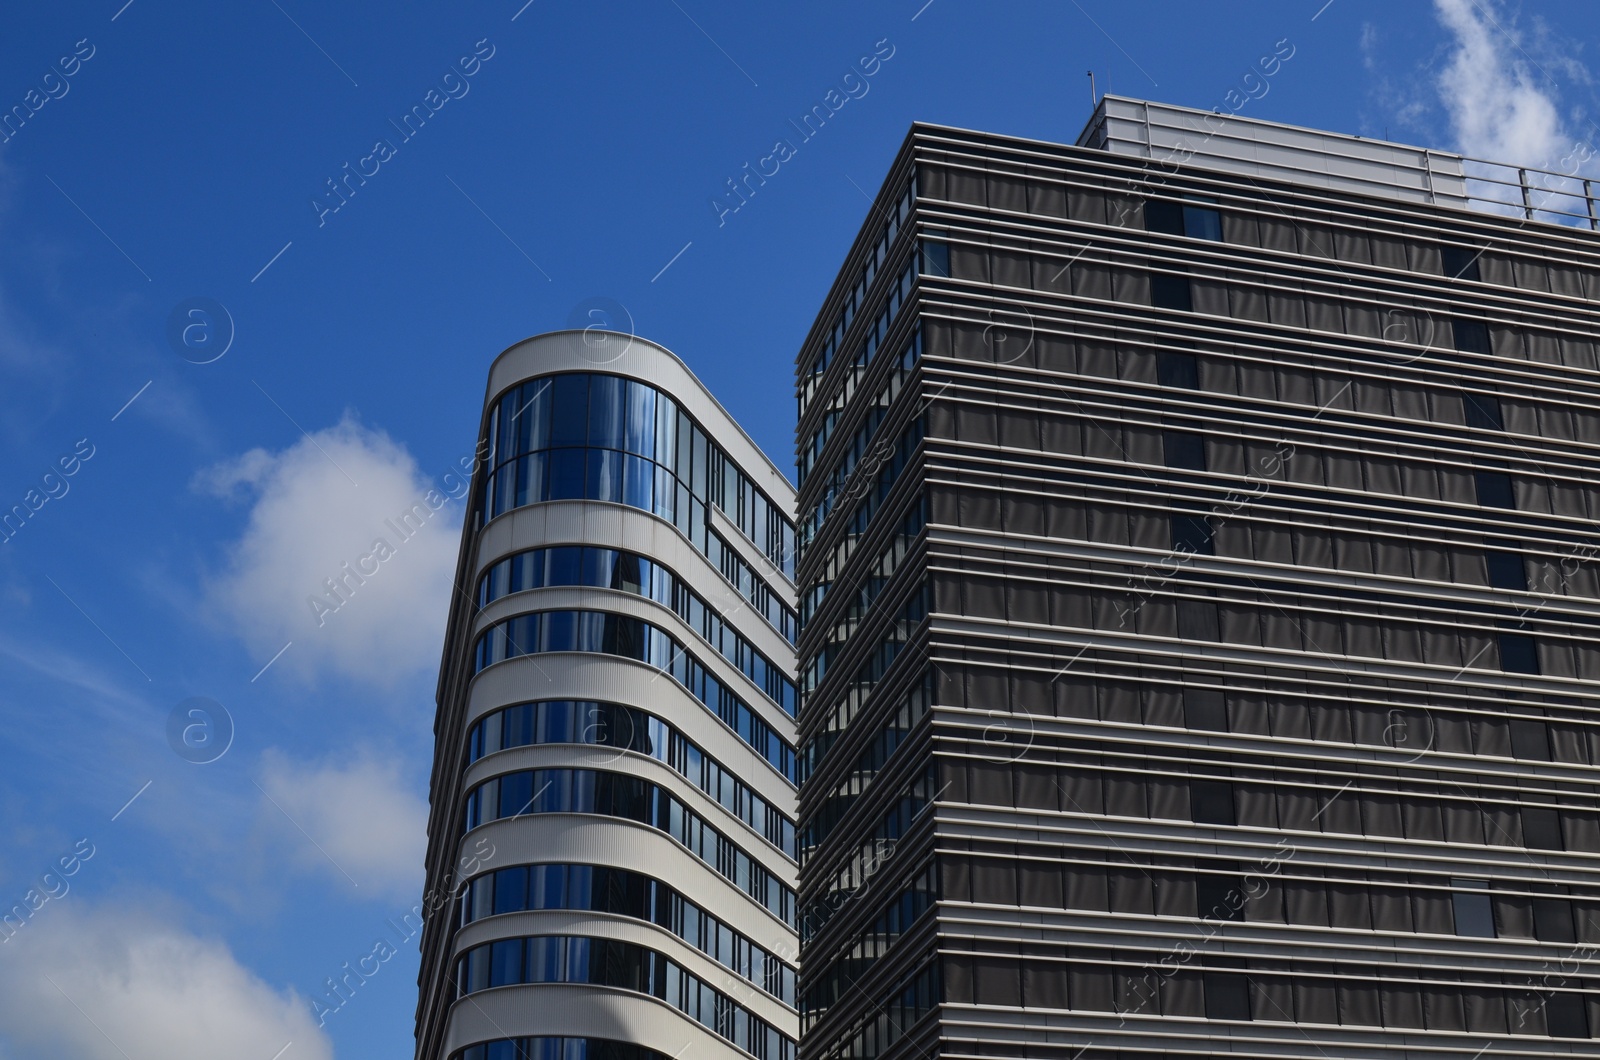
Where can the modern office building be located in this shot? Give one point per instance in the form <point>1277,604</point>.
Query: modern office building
<point>611,858</point>
<point>1198,600</point>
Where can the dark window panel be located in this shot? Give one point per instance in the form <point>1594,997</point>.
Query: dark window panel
<point>1211,801</point>
<point>1193,533</point>
<point>1519,653</point>
<point>1168,291</point>
<point>1483,411</point>
<point>1227,996</point>
<point>1541,828</point>
<point>1530,739</point>
<point>1175,368</point>
<point>1205,708</point>
<point>1202,222</point>
<point>1494,489</point>
<point>1460,263</point>
<point>1184,449</point>
<point>1472,336</point>
<point>1164,216</point>
<point>1507,570</point>
<point>1474,912</point>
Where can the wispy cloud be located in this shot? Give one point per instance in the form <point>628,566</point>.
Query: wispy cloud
<point>354,818</point>
<point>318,512</point>
<point>115,983</point>
<point>1503,104</point>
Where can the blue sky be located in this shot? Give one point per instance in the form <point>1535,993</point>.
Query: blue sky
<point>178,152</point>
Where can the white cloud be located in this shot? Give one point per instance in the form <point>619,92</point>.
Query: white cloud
<point>154,990</point>
<point>327,511</point>
<point>1501,108</point>
<point>364,820</point>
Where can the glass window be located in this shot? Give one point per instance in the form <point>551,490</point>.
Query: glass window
<point>1565,1017</point>
<point>569,410</point>
<point>1474,913</point>
<point>1460,263</point>
<point>605,475</point>
<point>1507,571</point>
<point>511,890</point>
<point>1164,216</point>
<point>1184,449</point>
<point>1519,653</point>
<point>1204,708</point>
<point>1494,488</point>
<point>1202,222</point>
<point>1472,336</point>
<point>505,962</point>
<point>1541,828</point>
<point>1530,740</point>
<point>566,474</point>
<point>1211,801</point>
<point>1192,533</point>
<point>1175,368</point>
<point>516,794</point>
<point>606,408</point>
<point>935,258</point>
<point>1552,920</point>
<point>640,425</point>
<point>1227,996</point>
<point>1483,411</point>
<point>1168,291</point>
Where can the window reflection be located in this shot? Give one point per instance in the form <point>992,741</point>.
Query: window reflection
<point>629,798</point>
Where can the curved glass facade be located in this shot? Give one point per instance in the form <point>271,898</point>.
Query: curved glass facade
<point>533,791</point>
<point>629,572</point>
<point>601,889</point>
<point>631,638</point>
<point>557,1049</point>
<point>592,436</point>
<point>622,966</point>
<point>594,459</point>
<point>629,729</point>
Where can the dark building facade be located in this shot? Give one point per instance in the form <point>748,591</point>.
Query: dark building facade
<point>1198,594</point>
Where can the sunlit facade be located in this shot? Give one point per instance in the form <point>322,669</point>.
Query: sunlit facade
<point>612,841</point>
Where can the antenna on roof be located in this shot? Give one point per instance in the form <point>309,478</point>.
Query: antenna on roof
<point>1094,97</point>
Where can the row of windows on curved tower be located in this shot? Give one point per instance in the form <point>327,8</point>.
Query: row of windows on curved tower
<point>629,572</point>
<point>621,966</point>
<point>588,435</point>
<point>628,798</point>
<point>623,636</point>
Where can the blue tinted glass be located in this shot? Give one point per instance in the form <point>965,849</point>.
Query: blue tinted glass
<point>605,475</point>
<point>564,565</point>
<point>503,1050</point>
<point>510,890</point>
<point>566,475</point>
<point>666,430</point>
<point>640,424</point>
<point>1200,222</point>
<point>606,412</point>
<point>549,887</point>
<point>544,960</point>
<point>569,410</point>
<point>505,962</point>
<point>556,722</point>
<point>559,631</point>
<point>630,573</point>
<point>577,960</point>
<point>517,726</point>
<point>477,976</point>
<point>549,790</point>
<point>516,794</point>
<point>580,886</point>
<point>638,482</point>
<point>666,494</point>
<point>591,630</point>
<point>597,566</point>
